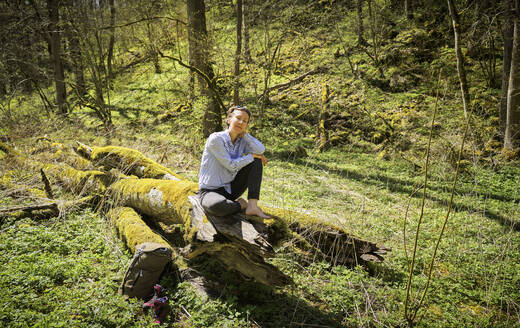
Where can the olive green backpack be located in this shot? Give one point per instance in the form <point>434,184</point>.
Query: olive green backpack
<point>145,270</point>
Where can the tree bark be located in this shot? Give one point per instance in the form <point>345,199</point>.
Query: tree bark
<point>360,29</point>
<point>245,23</point>
<point>508,47</point>
<point>512,133</point>
<point>238,53</point>
<point>408,9</point>
<point>460,58</point>
<point>111,41</point>
<point>199,58</point>
<point>55,54</point>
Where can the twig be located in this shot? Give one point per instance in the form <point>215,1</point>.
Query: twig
<point>410,274</point>
<point>443,225</point>
<point>143,20</point>
<point>186,311</point>
<point>300,78</point>
<point>32,207</point>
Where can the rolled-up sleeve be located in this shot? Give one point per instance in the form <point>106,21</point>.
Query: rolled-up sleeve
<point>253,145</point>
<point>217,148</point>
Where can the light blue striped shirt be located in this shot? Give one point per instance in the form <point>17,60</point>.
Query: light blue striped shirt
<point>222,159</point>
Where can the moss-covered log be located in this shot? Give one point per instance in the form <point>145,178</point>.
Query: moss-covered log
<point>131,228</point>
<point>239,243</point>
<point>164,200</point>
<point>77,181</point>
<point>332,243</point>
<point>129,161</point>
<point>233,240</point>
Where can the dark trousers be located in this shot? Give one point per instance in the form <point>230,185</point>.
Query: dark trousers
<point>220,203</point>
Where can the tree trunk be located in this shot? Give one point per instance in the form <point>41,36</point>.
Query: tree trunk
<point>360,30</point>
<point>111,41</point>
<point>512,133</point>
<point>408,9</point>
<point>460,58</point>
<point>199,58</point>
<point>239,242</point>
<point>245,23</point>
<point>238,53</point>
<point>508,47</point>
<point>55,54</point>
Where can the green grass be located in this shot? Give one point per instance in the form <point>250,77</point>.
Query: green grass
<point>65,271</point>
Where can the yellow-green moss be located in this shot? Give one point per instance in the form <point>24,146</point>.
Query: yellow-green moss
<point>76,180</point>
<point>6,180</point>
<point>37,192</point>
<point>167,200</point>
<point>8,150</point>
<point>130,161</point>
<point>131,228</point>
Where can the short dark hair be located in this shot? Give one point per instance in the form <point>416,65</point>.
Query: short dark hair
<point>240,108</point>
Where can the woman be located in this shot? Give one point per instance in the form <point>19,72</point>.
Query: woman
<point>231,163</point>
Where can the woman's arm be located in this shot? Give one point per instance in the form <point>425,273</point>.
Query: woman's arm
<point>253,145</point>
<point>216,147</point>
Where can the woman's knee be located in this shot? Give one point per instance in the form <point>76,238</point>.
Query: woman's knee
<point>257,165</point>
<point>220,208</point>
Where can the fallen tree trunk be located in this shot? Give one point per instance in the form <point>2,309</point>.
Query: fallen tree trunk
<point>133,231</point>
<point>240,243</point>
<point>129,161</point>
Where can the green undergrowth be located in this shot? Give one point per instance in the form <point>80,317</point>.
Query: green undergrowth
<point>65,271</point>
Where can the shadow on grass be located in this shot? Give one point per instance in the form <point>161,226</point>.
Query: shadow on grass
<point>267,306</point>
<point>406,187</point>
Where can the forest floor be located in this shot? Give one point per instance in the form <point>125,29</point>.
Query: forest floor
<point>65,271</point>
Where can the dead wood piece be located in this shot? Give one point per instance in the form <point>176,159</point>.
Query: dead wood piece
<point>47,185</point>
<point>234,257</point>
<point>31,207</point>
<point>47,210</point>
<point>233,227</point>
<point>129,161</point>
<point>300,78</point>
<point>334,243</point>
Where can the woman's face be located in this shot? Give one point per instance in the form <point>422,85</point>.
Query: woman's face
<point>238,121</point>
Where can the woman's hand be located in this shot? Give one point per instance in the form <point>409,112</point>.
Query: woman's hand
<point>262,157</point>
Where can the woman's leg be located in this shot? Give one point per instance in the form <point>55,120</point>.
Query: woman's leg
<point>249,177</point>
<point>217,202</point>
